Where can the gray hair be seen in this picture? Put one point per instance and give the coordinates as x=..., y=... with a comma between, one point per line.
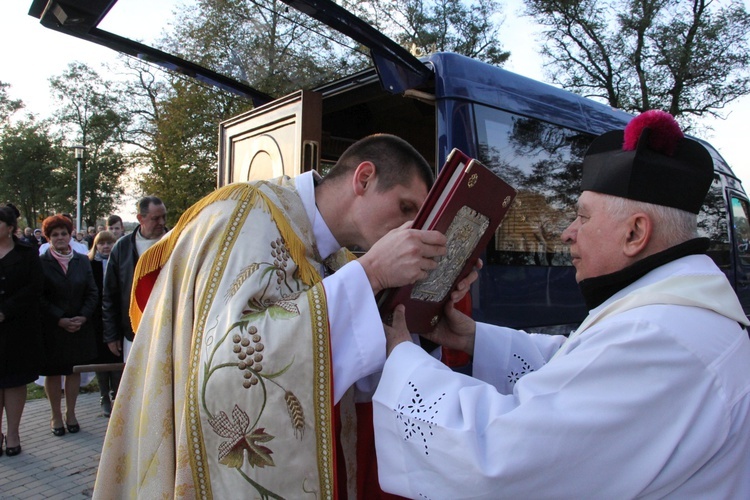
x=672, y=226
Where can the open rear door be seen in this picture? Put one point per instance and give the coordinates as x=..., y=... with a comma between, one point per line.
x=279, y=138
x=397, y=68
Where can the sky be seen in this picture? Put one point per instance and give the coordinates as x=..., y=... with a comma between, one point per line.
x=31, y=54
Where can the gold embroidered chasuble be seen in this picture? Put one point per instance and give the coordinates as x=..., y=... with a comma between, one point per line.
x=227, y=390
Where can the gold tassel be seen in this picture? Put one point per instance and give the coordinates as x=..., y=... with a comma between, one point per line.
x=157, y=256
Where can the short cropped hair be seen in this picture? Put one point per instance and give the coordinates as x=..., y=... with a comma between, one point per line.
x=113, y=219
x=54, y=222
x=396, y=161
x=145, y=202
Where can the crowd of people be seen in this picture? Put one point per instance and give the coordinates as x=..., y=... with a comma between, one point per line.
x=52, y=318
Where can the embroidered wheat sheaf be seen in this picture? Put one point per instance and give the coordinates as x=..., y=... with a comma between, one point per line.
x=295, y=413
x=239, y=280
x=288, y=306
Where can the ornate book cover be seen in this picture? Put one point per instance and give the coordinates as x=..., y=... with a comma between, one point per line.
x=467, y=203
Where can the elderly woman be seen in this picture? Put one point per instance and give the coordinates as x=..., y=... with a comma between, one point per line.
x=20, y=334
x=68, y=304
x=108, y=380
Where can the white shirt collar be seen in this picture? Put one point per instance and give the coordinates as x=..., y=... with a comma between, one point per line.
x=324, y=238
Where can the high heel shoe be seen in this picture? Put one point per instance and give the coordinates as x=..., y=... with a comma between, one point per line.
x=57, y=431
x=73, y=428
x=12, y=451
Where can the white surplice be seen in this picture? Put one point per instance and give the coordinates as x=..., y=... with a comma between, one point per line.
x=648, y=401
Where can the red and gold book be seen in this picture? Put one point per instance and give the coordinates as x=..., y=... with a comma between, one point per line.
x=467, y=203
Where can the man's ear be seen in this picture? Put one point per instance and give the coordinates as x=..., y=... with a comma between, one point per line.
x=640, y=229
x=364, y=176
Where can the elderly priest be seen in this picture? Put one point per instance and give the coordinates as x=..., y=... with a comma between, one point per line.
x=648, y=398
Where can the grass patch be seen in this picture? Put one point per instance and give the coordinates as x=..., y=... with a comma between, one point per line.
x=34, y=391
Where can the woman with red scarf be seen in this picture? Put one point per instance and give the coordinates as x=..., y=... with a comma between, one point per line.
x=68, y=303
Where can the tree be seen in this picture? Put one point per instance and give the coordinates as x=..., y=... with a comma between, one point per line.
x=88, y=116
x=8, y=106
x=173, y=133
x=687, y=58
x=277, y=49
x=28, y=157
x=469, y=28
x=265, y=43
x=184, y=157
x=174, y=120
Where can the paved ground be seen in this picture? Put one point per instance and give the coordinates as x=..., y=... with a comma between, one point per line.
x=52, y=467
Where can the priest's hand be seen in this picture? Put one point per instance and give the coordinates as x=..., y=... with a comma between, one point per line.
x=455, y=331
x=463, y=286
x=402, y=257
x=397, y=332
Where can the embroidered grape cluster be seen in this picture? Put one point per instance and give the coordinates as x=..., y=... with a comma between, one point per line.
x=280, y=254
x=249, y=351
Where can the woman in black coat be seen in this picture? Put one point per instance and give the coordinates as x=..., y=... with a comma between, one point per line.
x=109, y=381
x=20, y=334
x=68, y=305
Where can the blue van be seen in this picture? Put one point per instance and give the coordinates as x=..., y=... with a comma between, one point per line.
x=532, y=134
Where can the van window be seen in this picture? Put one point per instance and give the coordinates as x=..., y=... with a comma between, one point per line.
x=543, y=162
x=741, y=229
x=712, y=224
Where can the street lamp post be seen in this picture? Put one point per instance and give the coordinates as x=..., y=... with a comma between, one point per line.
x=79, y=150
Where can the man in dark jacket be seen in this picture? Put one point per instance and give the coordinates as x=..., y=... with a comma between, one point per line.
x=118, y=281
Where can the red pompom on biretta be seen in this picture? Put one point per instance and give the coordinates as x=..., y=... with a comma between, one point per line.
x=650, y=161
x=665, y=132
